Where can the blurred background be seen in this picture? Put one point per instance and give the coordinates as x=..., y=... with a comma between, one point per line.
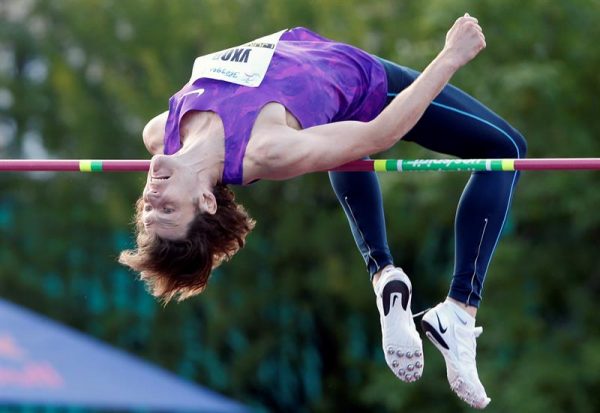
x=290, y=324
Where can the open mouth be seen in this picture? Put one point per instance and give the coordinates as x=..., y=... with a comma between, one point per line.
x=160, y=178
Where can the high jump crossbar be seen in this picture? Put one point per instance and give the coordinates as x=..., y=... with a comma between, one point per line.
x=377, y=165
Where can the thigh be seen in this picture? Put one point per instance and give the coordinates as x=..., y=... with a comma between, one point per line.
x=456, y=123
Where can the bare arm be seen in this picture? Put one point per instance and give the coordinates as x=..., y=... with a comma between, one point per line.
x=291, y=153
x=154, y=133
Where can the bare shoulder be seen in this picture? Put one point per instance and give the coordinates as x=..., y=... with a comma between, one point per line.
x=154, y=133
x=275, y=113
x=199, y=122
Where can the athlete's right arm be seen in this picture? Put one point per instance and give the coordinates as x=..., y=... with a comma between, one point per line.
x=291, y=153
x=154, y=133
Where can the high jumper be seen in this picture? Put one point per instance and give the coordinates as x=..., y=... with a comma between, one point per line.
x=293, y=103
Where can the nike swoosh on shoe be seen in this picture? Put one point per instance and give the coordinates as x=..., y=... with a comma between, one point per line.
x=442, y=329
x=394, y=287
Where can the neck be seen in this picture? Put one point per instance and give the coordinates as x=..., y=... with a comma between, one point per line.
x=203, y=150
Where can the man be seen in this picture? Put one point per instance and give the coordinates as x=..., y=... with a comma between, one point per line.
x=293, y=103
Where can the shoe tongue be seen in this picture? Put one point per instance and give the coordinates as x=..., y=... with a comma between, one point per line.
x=466, y=318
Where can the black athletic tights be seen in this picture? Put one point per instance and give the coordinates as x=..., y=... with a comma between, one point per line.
x=455, y=124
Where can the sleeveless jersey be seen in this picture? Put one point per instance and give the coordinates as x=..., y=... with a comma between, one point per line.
x=317, y=80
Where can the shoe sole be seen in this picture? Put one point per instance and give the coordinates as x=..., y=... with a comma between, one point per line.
x=406, y=362
x=404, y=355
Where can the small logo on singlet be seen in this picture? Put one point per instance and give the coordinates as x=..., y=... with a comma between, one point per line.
x=197, y=92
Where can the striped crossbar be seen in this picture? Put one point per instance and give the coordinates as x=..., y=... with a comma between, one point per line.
x=377, y=165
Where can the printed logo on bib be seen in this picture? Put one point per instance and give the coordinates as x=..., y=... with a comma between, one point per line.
x=243, y=65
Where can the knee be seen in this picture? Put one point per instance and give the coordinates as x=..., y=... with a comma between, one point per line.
x=520, y=143
x=512, y=144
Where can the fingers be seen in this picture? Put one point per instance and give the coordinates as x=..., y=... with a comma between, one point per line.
x=469, y=21
x=467, y=17
x=467, y=35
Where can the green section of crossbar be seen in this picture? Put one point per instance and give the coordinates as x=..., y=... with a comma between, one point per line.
x=388, y=165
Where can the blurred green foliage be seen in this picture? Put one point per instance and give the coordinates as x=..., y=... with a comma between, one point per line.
x=290, y=324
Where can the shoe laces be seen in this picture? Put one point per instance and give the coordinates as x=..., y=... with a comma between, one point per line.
x=420, y=313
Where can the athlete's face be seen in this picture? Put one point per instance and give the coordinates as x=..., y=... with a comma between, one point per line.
x=170, y=198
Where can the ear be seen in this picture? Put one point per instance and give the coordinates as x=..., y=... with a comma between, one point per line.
x=208, y=203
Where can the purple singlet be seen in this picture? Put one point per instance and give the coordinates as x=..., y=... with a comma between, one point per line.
x=319, y=81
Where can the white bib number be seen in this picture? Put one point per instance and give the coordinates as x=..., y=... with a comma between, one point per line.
x=243, y=65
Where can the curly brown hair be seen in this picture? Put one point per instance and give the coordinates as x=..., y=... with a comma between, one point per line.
x=181, y=268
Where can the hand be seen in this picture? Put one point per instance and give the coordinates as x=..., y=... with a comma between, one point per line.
x=464, y=40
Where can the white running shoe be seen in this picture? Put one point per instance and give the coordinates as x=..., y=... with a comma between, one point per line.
x=452, y=330
x=402, y=345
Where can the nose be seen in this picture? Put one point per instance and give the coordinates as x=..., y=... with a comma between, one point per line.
x=151, y=196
